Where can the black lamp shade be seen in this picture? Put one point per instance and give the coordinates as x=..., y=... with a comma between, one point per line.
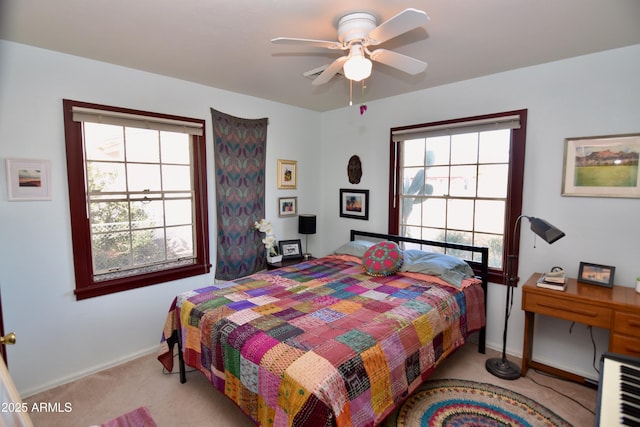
x=307, y=224
x=545, y=230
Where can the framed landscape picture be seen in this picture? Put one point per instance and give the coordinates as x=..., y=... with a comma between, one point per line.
x=28, y=179
x=354, y=204
x=602, y=166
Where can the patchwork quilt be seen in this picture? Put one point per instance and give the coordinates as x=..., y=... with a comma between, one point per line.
x=321, y=342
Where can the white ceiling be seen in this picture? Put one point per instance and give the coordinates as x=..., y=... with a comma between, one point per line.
x=226, y=43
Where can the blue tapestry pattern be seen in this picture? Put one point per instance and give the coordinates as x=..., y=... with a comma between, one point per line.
x=239, y=150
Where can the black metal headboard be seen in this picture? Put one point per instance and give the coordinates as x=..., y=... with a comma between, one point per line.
x=480, y=268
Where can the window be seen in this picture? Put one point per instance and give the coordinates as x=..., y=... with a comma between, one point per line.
x=460, y=181
x=138, y=197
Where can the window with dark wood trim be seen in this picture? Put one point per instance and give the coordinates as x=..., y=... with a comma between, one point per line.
x=137, y=195
x=472, y=166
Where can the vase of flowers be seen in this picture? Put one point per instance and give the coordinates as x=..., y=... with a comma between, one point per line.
x=269, y=241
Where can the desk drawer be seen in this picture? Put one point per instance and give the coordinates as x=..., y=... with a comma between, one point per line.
x=569, y=310
x=625, y=345
x=627, y=323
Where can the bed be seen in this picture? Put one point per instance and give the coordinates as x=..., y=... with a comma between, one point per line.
x=340, y=340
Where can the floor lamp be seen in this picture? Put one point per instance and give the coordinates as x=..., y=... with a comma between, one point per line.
x=500, y=366
x=306, y=226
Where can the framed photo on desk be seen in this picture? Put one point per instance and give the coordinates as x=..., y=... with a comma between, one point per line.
x=596, y=274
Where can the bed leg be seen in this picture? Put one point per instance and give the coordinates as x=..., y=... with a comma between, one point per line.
x=175, y=339
x=482, y=339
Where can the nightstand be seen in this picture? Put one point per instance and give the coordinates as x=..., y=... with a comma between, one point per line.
x=616, y=309
x=286, y=263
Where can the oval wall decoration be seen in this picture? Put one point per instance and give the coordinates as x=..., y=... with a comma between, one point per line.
x=354, y=169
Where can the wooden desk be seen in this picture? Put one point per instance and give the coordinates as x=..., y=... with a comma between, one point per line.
x=616, y=309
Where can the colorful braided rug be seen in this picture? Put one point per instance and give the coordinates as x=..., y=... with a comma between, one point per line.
x=448, y=403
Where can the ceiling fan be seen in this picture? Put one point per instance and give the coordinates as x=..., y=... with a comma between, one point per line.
x=357, y=31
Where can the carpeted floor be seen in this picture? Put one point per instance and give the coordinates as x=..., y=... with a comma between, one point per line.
x=141, y=382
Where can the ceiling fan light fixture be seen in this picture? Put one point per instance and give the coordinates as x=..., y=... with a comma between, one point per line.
x=357, y=67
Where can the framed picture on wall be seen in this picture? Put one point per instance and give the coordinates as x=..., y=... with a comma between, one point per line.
x=28, y=179
x=602, y=166
x=287, y=206
x=287, y=174
x=354, y=204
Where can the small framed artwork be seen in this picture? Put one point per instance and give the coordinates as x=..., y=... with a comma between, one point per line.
x=354, y=204
x=28, y=179
x=287, y=206
x=596, y=274
x=287, y=174
x=290, y=249
x=602, y=166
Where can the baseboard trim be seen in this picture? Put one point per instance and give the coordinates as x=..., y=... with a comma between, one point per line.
x=95, y=369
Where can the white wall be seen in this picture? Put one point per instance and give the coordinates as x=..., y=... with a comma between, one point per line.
x=60, y=338
x=592, y=95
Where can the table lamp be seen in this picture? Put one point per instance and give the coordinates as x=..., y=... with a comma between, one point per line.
x=306, y=226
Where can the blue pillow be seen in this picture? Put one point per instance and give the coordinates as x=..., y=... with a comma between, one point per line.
x=356, y=248
x=449, y=268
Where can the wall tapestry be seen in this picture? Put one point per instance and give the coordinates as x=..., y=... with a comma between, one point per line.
x=239, y=151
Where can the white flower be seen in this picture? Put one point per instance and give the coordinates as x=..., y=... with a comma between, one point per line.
x=270, y=242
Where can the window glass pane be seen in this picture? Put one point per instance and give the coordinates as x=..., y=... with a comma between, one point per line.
x=455, y=236
x=178, y=212
x=460, y=214
x=175, y=148
x=109, y=217
x=433, y=234
x=141, y=177
x=111, y=251
x=438, y=147
x=495, y=243
x=176, y=178
x=179, y=242
x=490, y=216
x=492, y=180
x=142, y=145
x=410, y=231
x=411, y=210
x=463, y=181
x=464, y=148
x=494, y=146
x=147, y=214
x=148, y=246
x=103, y=142
x=413, y=153
x=434, y=213
x=438, y=180
x=106, y=177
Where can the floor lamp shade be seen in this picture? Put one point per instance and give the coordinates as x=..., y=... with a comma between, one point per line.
x=545, y=230
x=306, y=225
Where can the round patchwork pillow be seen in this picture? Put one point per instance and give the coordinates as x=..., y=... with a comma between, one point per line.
x=382, y=259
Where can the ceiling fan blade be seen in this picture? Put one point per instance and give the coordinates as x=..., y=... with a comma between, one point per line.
x=308, y=42
x=397, y=60
x=403, y=22
x=330, y=71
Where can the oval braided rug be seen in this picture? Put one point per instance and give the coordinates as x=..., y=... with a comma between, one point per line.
x=448, y=403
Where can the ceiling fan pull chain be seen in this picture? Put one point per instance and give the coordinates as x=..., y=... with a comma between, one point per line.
x=350, y=93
